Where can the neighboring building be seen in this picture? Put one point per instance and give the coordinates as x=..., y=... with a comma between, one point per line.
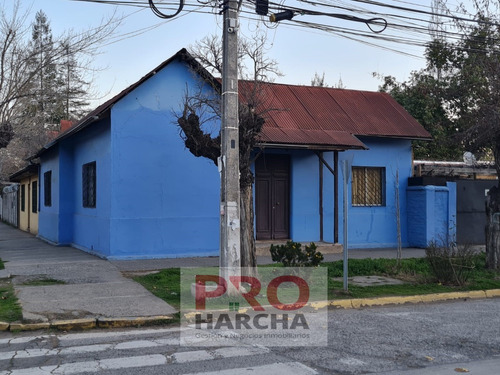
x=28, y=205
x=121, y=184
x=473, y=180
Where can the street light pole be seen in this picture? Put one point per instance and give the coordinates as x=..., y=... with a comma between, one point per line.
x=230, y=254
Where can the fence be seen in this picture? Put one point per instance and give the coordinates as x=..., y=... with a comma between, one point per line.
x=8, y=204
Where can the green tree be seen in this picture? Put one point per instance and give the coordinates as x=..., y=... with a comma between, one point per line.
x=44, y=101
x=471, y=75
x=457, y=97
x=423, y=96
x=73, y=88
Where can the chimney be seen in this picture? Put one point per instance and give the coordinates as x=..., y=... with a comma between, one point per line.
x=65, y=125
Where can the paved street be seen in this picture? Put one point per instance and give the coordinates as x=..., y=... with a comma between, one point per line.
x=417, y=339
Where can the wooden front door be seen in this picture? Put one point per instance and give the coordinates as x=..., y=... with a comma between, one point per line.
x=272, y=197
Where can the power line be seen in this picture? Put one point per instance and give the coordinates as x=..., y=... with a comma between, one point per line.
x=405, y=26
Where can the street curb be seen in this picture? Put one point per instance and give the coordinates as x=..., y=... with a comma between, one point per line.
x=74, y=324
x=83, y=324
x=28, y=326
x=357, y=303
x=133, y=322
x=354, y=303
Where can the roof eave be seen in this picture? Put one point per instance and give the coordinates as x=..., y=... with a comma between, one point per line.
x=407, y=137
x=82, y=125
x=104, y=109
x=29, y=170
x=315, y=147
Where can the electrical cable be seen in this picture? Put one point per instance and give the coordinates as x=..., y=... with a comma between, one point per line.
x=408, y=30
x=159, y=14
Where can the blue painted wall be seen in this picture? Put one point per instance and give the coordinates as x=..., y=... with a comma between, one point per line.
x=369, y=227
x=90, y=226
x=304, y=196
x=154, y=198
x=165, y=201
x=432, y=214
x=48, y=219
x=375, y=227
x=66, y=221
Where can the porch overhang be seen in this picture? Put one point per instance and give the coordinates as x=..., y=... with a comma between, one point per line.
x=309, y=139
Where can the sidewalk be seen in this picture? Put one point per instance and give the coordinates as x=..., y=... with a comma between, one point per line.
x=94, y=288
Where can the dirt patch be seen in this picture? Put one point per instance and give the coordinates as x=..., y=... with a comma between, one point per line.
x=132, y=274
x=37, y=280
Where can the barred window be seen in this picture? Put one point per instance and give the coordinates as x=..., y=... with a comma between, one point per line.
x=47, y=188
x=23, y=197
x=34, y=197
x=89, y=185
x=368, y=186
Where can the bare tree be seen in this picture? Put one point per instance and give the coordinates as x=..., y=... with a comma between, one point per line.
x=20, y=65
x=256, y=69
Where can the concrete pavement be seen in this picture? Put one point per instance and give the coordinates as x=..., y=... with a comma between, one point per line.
x=90, y=287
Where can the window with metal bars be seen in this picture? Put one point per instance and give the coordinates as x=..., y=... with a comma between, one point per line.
x=89, y=185
x=368, y=186
x=47, y=188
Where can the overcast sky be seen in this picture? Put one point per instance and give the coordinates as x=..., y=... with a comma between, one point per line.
x=300, y=51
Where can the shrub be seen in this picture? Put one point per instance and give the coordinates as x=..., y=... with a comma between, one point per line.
x=452, y=264
x=291, y=254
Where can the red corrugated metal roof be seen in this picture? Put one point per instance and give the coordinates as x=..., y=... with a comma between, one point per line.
x=298, y=115
x=305, y=115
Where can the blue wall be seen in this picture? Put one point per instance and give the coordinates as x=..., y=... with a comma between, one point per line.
x=375, y=227
x=432, y=214
x=154, y=198
x=48, y=219
x=369, y=227
x=66, y=221
x=165, y=201
x=304, y=196
x=90, y=226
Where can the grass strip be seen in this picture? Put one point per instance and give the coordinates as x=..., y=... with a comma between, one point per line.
x=164, y=284
x=10, y=310
x=415, y=272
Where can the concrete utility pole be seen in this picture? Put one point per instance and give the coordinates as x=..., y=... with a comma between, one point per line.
x=229, y=163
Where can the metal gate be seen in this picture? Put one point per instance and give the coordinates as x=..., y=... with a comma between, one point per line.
x=9, y=203
x=471, y=210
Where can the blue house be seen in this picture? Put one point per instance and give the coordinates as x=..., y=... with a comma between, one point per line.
x=121, y=184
